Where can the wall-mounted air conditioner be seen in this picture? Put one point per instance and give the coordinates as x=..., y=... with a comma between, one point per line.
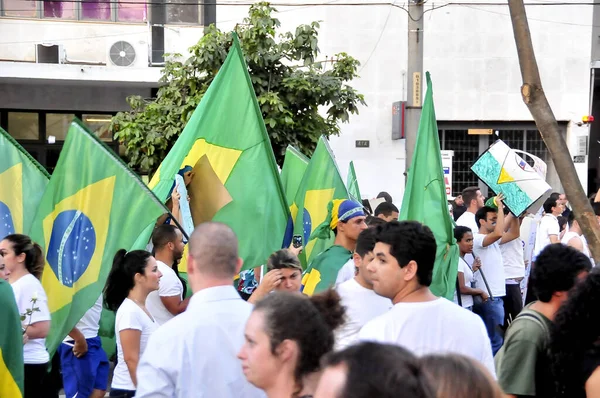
x=122, y=54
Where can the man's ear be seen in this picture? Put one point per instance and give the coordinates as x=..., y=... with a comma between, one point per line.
x=239, y=265
x=357, y=259
x=410, y=270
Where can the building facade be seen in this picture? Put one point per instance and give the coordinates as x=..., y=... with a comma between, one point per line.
x=106, y=50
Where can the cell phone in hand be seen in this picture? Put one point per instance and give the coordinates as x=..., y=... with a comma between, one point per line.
x=297, y=241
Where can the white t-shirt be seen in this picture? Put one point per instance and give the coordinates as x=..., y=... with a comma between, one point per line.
x=492, y=266
x=570, y=235
x=347, y=272
x=130, y=316
x=26, y=288
x=548, y=226
x=168, y=286
x=90, y=322
x=466, y=299
x=432, y=327
x=467, y=219
x=512, y=257
x=362, y=305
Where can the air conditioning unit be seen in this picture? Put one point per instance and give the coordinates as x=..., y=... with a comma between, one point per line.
x=49, y=53
x=126, y=54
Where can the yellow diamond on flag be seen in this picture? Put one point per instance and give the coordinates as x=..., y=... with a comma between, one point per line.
x=75, y=234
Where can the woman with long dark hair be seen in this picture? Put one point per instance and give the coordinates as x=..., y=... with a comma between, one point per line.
x=24, y=262
x=575, y=341
x=287, y=334
x=133, y=276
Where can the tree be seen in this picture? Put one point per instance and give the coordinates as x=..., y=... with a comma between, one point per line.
x=535, y=99
x=290, y=84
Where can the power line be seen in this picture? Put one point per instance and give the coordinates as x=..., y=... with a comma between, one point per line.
x=378, y=40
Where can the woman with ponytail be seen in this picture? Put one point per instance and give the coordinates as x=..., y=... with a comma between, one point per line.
x=133, y=276
x=24, y=264
x=286, y=336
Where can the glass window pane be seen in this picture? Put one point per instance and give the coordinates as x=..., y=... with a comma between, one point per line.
x=24, y=125
x=57, y=125
x=52, y=156
x=134, y=12
x=95, y=9
x=99, y=125
x=59, y=9
x=20, y=8
x=182, y=13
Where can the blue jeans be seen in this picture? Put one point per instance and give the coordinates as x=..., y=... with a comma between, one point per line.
x=492, y=314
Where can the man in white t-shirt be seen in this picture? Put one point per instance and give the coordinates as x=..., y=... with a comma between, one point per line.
x=548, y=231
x=83, y=361
x=490, y=277
x=361, y=302
x=419, y=321
x=167, y=301
x=473, y=200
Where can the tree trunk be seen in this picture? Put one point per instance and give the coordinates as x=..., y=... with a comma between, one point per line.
x=535, y=99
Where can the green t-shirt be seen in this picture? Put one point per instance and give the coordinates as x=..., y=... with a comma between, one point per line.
x=521, y=364
x=322, y=272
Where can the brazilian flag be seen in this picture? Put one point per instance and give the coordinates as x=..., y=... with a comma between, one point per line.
x=22, y=183
x=321, y=183
x=294, y=166
x=234, y=175
x=93, y=206
x=11, y=345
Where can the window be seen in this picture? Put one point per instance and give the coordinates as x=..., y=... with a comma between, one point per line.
x=20, y=8
x=99, y=125
x=57, y=125
x=24, y=125
x=131, y=10
x=59, y=9
x=96, y=10
x=181, y=11
x=90, y=10
x=466, y=151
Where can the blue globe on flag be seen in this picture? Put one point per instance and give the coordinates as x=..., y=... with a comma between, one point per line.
x=7, y=226
x=307, y=222
x=71, y=247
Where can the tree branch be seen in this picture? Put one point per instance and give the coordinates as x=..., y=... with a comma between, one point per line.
x=535, y=99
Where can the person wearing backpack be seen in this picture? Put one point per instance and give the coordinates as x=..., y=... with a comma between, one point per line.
x=522, y=364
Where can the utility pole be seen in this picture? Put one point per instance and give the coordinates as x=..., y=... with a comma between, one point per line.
x=414, y=76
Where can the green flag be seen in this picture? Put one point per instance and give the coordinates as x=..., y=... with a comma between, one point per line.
x=425, y=199
x=352, y=184
x=93, y=206
x=294, y=166
x=11, y=345
x=22, y=183
x=235, y=177
x=321, y=183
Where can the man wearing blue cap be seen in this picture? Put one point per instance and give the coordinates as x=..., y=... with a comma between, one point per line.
x=346, y=219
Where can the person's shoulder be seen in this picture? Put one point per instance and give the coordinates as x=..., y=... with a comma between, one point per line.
x=528, y=325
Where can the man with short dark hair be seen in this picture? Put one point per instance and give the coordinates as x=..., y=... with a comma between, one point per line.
x=548, y=231
x=486, y=246
x=194, y=354
x=522, y=364
x=167, y=302
x=387, y=211
x=473, y=200
x=361, y=302
x=401, y=271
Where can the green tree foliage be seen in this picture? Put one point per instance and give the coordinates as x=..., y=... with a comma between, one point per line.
x=290, y=84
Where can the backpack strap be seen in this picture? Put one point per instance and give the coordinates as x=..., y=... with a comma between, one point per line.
x=536, y=319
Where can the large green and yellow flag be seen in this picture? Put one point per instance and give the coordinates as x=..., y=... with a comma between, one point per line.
x=352, y=184
x=235, y=178
x=11, y=345
x=93, y=206
x=294, y=166
x=22, y=184
x=321, y=183
x=425, y=199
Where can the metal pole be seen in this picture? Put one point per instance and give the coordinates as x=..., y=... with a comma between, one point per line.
x=414, y=76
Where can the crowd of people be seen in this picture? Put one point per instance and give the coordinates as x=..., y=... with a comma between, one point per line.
x=360, y=322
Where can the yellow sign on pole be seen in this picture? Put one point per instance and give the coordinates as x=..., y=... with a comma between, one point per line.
x=416, y=89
